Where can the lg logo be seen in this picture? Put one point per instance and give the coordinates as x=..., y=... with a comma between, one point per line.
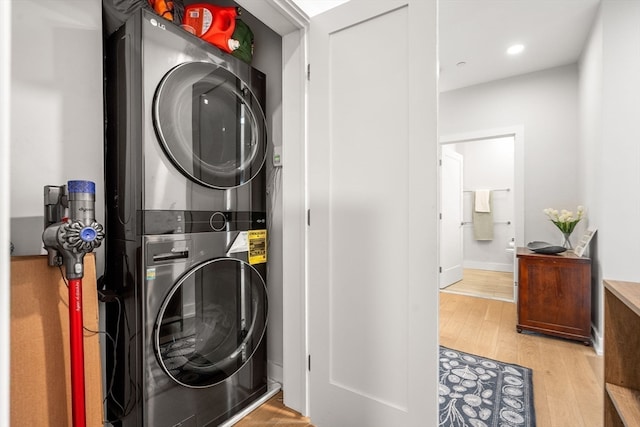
x=157, y=24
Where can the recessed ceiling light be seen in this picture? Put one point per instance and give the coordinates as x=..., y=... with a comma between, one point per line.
x=461, y=64
x=515, y=49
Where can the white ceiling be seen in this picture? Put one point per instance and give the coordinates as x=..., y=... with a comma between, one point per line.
x=314, y=7
x=478, y=32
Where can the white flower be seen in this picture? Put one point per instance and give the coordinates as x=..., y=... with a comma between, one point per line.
x=565, y=220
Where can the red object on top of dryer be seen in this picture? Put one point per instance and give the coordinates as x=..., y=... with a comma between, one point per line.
x=214, y=24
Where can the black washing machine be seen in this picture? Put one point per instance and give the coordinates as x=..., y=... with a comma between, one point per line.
x=185, y=273
x=186, y=128
x=204, y=349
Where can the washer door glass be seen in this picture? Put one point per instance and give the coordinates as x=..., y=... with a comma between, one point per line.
x=210, y=124
x=211, y=322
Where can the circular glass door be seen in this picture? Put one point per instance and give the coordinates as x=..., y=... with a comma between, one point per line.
x=210, y=124
x=211, y=322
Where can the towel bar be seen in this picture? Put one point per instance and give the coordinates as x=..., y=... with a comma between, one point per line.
x=499, y=189
x=495, y=222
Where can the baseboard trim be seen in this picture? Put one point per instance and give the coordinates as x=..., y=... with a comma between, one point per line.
x=491, y=266
x=598, y=344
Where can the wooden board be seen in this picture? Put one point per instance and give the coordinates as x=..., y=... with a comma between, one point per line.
x=40, y=378
x=621, y=343
x=626, y=402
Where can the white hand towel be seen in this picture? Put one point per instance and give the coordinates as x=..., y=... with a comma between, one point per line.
x=483, y=201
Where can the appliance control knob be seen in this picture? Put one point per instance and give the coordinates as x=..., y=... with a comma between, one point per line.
x=218, y=221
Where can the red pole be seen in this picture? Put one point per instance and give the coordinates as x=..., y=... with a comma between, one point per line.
x=77, y=353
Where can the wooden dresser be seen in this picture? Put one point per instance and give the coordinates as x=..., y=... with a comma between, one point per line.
x=621, y=349
x=554, y=294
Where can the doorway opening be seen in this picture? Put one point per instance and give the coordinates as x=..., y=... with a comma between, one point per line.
x=477, y=250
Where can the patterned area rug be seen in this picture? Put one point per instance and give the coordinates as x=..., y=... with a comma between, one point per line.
x=478, y=392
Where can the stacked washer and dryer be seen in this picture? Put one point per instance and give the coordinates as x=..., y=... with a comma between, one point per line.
x=185, y=275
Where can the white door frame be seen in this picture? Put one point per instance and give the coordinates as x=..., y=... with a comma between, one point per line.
x=517, y=132
x=5, y=191
x=452, y=275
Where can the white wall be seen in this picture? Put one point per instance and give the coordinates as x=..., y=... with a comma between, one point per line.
x=545, y=104
x=57, y=120
x=620, y=164
x=489, y=164
x=610, y=165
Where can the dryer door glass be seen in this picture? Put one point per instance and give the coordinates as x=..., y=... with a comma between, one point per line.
x=210, y=124
x=211, y=322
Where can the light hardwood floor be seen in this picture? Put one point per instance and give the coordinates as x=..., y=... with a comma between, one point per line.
x=484, y=284
x=567, y=375
x=273, y=413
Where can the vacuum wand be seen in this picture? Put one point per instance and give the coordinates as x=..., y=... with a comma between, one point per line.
x=67, y=239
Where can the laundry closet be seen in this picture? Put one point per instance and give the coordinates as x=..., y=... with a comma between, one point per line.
x=68, y=89
x=187, y=179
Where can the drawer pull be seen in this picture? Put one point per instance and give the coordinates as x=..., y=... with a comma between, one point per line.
x=171, y=255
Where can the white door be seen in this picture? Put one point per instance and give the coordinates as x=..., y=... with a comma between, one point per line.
x=372, y=294
x=451, y=243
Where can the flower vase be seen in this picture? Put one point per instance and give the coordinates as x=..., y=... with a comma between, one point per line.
x=567, y=243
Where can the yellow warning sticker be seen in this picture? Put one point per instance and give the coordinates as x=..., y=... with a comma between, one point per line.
x=257, y=246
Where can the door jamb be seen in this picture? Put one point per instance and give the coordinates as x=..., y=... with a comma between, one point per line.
x=517, y=132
